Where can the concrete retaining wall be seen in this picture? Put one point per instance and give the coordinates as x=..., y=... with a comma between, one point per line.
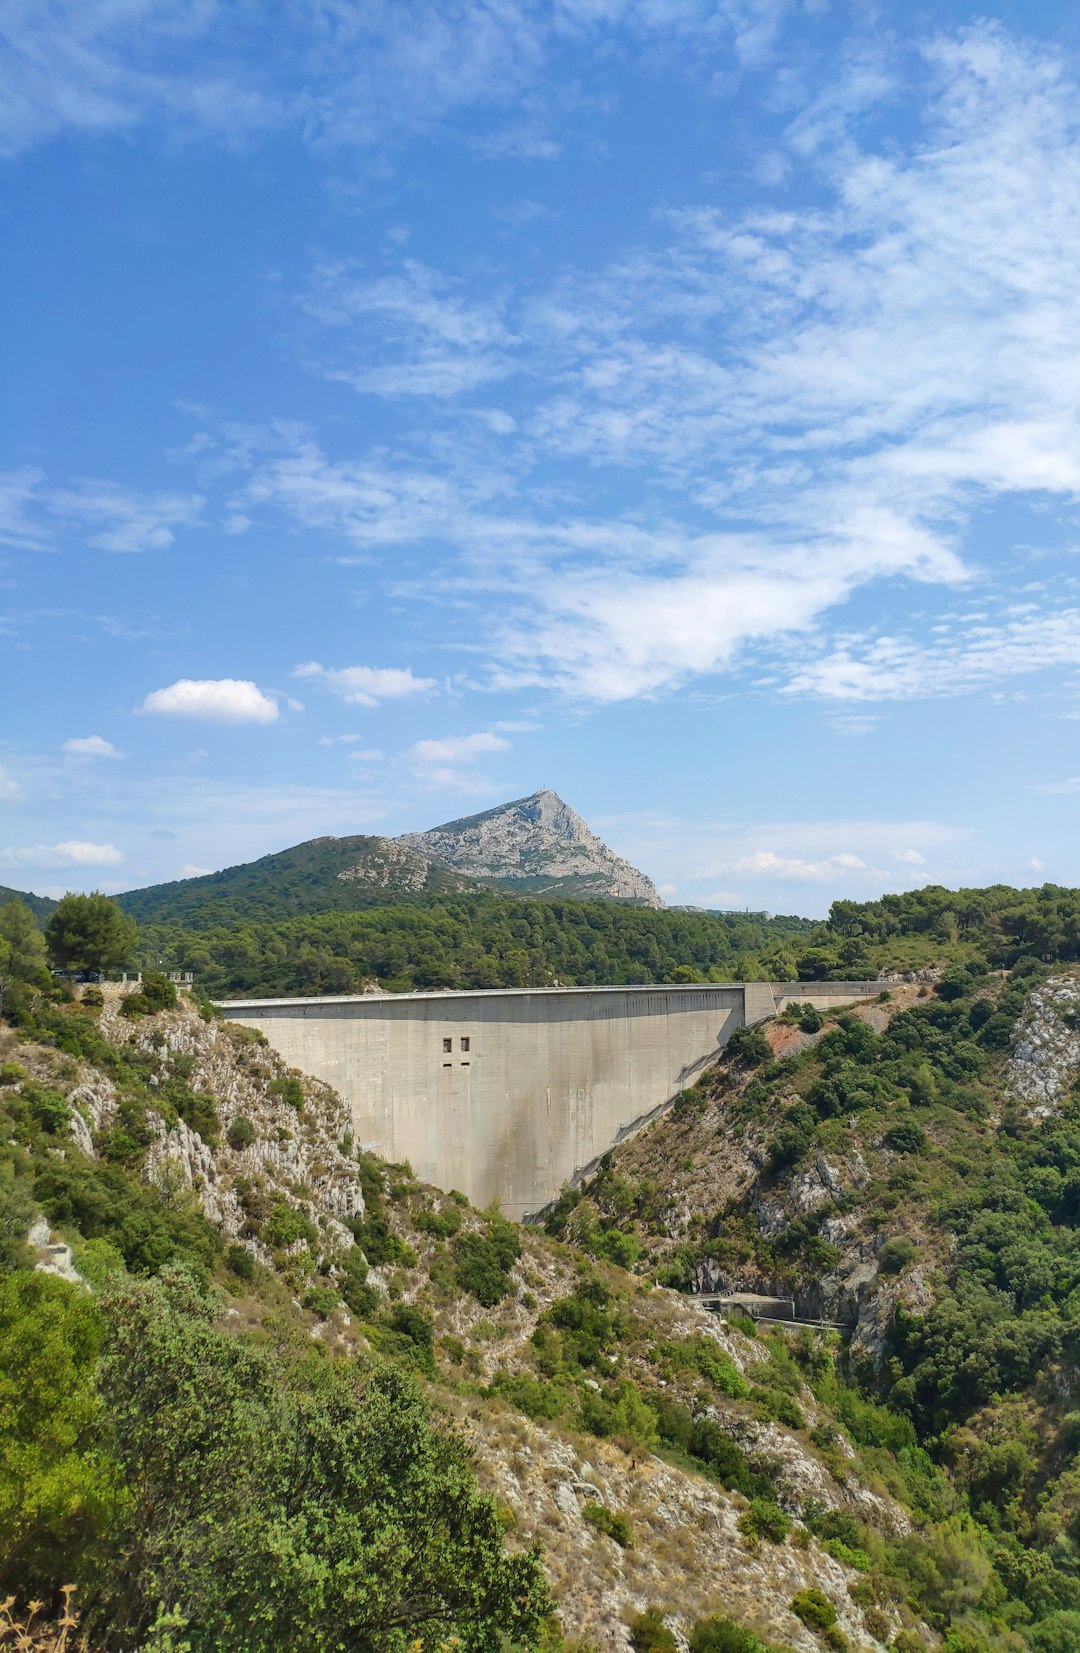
x=511, y=1093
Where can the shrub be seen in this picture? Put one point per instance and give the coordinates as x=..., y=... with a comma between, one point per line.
x=749, y=1047
x=158, y=990
x=239, y=1261
x=48, y=1109
x=321, y=1300
x=283, y=1475
x=906, y=1137
x=241, y=1133
x=895, y=1255
x=289, y=1089
x=765, y=1519
x=286, y=1225
x=814, y=1608
x=484, y=1261
x=136, y=1004
x=721, y=1635
x=612, y=1522
x=650, y=1634
x=92, y=998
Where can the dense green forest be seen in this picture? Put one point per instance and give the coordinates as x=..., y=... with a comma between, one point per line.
x=474, y=941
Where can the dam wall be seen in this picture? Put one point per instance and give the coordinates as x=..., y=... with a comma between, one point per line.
x=511, y=1093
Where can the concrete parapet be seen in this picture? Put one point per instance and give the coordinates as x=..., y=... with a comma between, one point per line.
x=509, y=1094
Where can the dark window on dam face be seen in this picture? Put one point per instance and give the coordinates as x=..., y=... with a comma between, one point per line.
x=448, y=1044
x=465, y=1045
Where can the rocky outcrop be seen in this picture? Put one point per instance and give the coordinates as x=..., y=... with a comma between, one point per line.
x=1045, y=1053
x=537, y=845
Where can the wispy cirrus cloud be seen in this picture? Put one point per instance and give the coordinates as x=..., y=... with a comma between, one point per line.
x=366, y=685
x=37, y=513
x=963, y=654
x=807, y=400
x=339, y=76
x=412, y=333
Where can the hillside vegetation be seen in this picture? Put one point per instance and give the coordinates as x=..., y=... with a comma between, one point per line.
x=494, y=941
x=469, y=941
x=307, y=1401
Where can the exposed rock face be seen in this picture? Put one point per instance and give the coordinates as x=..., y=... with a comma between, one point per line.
x=1045, y=1054
x=536, y=844
x=390, y=863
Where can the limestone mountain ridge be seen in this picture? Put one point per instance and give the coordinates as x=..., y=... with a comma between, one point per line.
x=536, y=845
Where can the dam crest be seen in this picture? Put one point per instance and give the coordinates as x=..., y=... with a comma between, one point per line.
x=510, y=1093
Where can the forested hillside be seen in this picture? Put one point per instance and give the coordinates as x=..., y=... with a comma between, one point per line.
x=262, y=1392
x=912, y=1169
x=320, y=876
x=476, y=941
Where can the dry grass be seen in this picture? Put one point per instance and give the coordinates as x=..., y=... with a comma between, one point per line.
x=29, y=1632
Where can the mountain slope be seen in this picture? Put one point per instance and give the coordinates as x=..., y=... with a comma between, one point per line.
x=322, y=875
x=537, y=845
x=909, y=1168
x=575, y=1383
x=40, y=905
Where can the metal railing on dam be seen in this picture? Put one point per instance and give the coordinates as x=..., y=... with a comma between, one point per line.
x=510, y=1093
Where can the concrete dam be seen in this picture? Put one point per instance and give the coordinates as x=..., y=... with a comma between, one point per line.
x=510, y=1093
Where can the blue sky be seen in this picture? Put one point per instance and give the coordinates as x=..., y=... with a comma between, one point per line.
x=671, y=402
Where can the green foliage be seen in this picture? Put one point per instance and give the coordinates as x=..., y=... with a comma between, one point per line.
x=649, y=1632
x=814, y=1608
x=611, y=1522
x=59, y=1492
x=90, y=932
x=765, y=1519
x=484, y=1261
x=749, y=1047
x=407, y=1332
x=271, y=944
x=239, y=1261
x=308, y=1504
x=287, y=1226
x=241, y=1133
x=289, y=1089
x=22, y=950
x=721, y=1635
x=895, y=1255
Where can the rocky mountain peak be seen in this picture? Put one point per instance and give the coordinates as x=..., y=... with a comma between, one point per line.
x=538, y=845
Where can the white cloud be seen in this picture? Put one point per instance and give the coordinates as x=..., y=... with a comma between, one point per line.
x=212, y=700
x=969, y=653
x=1067, y=788
x=191, y=871
x=91, y=746
x=75, y=852
x=9, y=786
x=35, y=512
x=457, y=748
x=367, y=685
x=116, y=518
x=410, y=334
x=864, y=856
x=366, y=754
x=451, y=762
